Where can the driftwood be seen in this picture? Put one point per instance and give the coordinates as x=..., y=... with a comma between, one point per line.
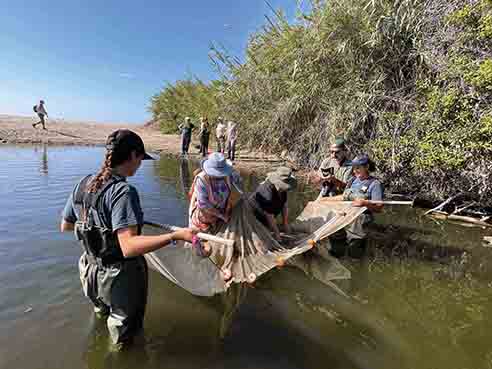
x=463, y=212
x=459, y=218
x=443, y=204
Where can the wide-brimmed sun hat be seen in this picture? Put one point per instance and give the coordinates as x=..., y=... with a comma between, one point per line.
x=216, y=165
x=282, y=179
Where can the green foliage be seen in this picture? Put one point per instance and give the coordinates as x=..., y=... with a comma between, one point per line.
x=485, y=27
x=408, y=81
x=190, y=97
x=482, y=77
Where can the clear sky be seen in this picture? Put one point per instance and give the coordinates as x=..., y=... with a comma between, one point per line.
x=102, y=60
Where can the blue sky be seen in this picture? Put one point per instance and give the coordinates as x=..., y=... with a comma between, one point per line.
x=103, y=60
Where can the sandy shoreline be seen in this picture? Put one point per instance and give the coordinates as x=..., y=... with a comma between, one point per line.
x=19, y=130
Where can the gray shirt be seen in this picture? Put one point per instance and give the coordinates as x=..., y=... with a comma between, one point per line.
x=120, y=203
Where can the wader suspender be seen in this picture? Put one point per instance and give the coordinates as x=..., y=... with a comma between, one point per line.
x=91, y=200
x=101, y=246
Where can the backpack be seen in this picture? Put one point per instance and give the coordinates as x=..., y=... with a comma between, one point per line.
x=35, y=108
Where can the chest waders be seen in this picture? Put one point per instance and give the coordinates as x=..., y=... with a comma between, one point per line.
x=116, y=286
x=356, y=233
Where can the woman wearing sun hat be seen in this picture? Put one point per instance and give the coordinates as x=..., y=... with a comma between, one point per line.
x=270, y=199
x=210, y=202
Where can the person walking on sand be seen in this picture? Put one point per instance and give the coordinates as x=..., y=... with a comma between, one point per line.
x=220, y=134
x=41, y=111
x=105, y=212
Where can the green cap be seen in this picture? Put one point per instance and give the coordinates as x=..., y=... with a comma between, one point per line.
x=339, y=141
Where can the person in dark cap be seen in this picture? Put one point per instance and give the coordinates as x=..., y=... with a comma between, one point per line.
x=104, y=211
x=270, y=199
x=361, y=189
x=335, y=171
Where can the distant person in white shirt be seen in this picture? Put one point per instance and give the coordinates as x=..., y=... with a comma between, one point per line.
x=231, y=140
x=41, y=111
x=220, y=133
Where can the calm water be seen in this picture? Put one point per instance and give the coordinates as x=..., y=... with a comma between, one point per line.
x=415, y=301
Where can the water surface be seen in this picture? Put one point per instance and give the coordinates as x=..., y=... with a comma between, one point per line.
x=415, y=301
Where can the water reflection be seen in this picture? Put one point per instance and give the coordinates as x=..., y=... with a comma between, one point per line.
x=43, y=168
x=184, y=175
x=44, y=161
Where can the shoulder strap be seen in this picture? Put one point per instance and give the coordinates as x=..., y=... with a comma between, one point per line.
x=79, y=195
x=82, y=197
x=96, y=196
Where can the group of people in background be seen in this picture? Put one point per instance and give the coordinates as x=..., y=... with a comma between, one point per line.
x=225, y=135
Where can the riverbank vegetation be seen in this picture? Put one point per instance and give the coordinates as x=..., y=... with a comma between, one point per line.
x=408, y=81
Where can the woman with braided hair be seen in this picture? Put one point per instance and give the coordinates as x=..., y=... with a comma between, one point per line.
x=104, y=210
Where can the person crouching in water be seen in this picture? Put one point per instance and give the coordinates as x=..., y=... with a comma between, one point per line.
x=361, y=189
x=104, y=210
x=210, y=200
x=335, y=171
x=270, y=199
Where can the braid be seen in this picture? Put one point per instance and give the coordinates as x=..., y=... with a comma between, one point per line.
x=103, y=175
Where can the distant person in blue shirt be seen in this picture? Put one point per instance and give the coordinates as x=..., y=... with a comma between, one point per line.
x=362, y=189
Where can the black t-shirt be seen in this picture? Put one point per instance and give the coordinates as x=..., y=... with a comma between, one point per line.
x=267, y=199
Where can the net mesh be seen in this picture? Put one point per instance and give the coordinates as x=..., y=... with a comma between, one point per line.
x=256, y=251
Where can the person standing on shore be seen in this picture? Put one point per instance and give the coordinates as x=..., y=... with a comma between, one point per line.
x=104, y=210
x=41, y=111
x=204, y=136
x=186, y=128
x=231, y=140
x=220, y=133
